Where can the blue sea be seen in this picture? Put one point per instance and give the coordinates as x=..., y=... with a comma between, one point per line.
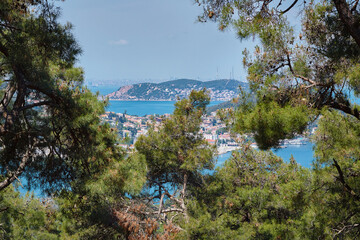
x=142, y=108
x=303, y=154
x=138, y=108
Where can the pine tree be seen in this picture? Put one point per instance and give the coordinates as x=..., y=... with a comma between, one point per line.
x=177, y=156
x=50, y=132
x=300, y=75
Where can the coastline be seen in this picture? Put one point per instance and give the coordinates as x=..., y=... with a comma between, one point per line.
x=142, y=100
x=225, y=149
x=161, y=100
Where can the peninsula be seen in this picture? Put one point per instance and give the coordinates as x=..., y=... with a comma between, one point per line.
x=220, y=90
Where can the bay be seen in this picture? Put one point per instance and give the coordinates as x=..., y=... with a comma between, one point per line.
x=303, y=154
x=138, y=108
x=103, y=89
x=142, y=108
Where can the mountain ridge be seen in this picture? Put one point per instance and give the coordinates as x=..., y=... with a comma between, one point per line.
x=220, y=90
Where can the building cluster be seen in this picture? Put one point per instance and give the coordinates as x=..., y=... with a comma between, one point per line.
x=214, y=131
x=131, y=127
x=215, y=95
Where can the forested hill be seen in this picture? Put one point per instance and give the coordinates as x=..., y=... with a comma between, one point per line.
x=220, y=90
x=223, y=105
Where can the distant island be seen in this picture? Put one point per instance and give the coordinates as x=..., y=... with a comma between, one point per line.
x=220, y=90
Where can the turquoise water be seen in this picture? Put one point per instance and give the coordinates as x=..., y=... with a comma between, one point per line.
x=303, y=154
x=141, y=108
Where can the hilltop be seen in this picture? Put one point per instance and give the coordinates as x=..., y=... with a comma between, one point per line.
x=220, y=90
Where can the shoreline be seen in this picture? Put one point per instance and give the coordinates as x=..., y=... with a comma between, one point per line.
x=160, y=100
x=225, y=149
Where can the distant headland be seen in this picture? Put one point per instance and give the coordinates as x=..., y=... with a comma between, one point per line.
x=220, y=90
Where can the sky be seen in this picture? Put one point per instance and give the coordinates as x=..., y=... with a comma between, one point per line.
x=151, y=41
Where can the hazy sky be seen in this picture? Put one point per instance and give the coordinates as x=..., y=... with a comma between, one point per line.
x=151, y=40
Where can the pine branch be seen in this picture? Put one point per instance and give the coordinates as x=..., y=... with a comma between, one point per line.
x=14, y=175
x=341, y=178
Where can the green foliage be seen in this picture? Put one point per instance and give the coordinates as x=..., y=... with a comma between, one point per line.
x=255, y=195
x=177, y=155
x=50, y=132
x=177, y=147
x=337, y=137
x=270, y=122
x=127, y=176
x=337, y=168
x=311, y=69
x=51, y=135
x=26, y=217
x=88, y=210
x=297, y=75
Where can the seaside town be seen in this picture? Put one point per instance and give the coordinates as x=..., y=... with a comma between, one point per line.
x=219, y=90
x=214, y=131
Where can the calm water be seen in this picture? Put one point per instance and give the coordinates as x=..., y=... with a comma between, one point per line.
x=141, y=108
x=303, y=154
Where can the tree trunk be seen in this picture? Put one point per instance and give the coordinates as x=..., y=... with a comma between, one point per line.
x=349, y=20
x=13, y=176
x=183, y=193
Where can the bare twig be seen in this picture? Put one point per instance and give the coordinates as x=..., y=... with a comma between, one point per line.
x=355, y=5
x=289, y=8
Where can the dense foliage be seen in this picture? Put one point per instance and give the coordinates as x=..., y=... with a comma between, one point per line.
x=50, y=131
x=51, y=136
x=300, y=74
x=176, y=157
x=254, y=195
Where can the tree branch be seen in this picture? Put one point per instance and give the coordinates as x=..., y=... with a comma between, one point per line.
x=4, y=209
x=172, y=210
x=348, y=19
x=312, y=82
x=183, y=206
x=345, y=228
x=291, y=6
x=355, y=5
x=161, y=203
x=342, y=180
x=344, y=108
x=172, y=197
x=9, y=93
x=13, y=176
x=29, y=106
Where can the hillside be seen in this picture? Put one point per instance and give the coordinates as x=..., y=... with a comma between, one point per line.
x=220, y=90
x=223, y=105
